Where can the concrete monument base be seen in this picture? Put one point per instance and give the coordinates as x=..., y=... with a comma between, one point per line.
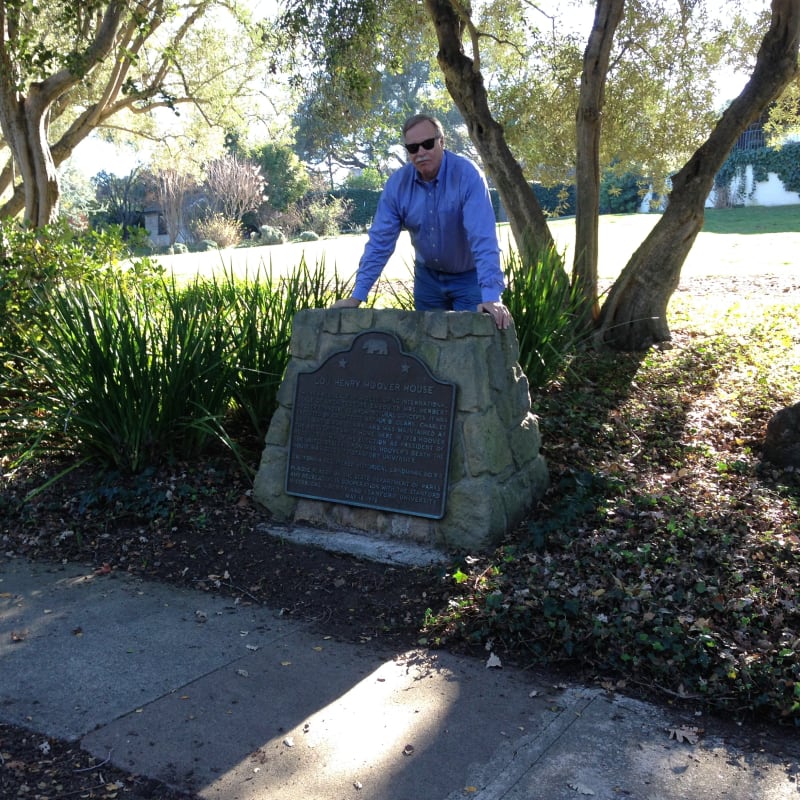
x=496, y=472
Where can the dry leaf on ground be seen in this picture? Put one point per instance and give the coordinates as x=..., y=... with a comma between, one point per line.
x=684, y=733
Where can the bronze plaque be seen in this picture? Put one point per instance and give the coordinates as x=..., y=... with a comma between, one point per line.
x=372, y=427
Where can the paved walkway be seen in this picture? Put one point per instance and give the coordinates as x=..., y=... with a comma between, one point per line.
x=235, y=702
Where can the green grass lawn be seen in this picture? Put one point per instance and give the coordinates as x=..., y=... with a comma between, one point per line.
x=753, y=221
x=730, y=243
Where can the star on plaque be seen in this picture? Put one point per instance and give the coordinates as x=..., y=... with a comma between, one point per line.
x=342, y=362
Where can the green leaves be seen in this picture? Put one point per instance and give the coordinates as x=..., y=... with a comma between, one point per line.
x=459, y=576
x=645, y=558
x=546, y=313
x=133, y=372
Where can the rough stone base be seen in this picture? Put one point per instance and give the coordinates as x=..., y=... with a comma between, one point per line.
x=496, y=470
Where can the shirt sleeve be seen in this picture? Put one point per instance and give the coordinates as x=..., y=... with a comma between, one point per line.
x=382, y=240
x=481, y=230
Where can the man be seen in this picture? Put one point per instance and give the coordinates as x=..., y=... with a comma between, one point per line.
x=442, y=200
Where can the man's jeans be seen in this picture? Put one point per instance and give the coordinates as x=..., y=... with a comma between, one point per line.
x=446, y=291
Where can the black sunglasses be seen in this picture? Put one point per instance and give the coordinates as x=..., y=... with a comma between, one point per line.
x=427, y=145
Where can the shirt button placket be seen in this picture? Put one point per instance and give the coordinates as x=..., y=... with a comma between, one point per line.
x=433, y=239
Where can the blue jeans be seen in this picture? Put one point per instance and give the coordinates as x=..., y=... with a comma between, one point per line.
x=446, y=291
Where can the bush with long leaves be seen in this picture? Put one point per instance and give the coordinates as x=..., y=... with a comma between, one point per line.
x=133, y=376
x=134, y=373
x=546, y=310
x=260, y=309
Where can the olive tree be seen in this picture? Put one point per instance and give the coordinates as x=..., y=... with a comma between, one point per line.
x=638, y=91
x=68, y=69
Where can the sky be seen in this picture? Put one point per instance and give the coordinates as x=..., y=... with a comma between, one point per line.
x=93, y=155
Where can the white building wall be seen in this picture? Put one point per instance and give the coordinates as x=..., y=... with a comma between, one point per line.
x=765, y=193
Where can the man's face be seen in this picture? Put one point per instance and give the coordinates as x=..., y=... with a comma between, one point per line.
x=427, y=162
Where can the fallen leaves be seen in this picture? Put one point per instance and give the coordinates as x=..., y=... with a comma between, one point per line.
x=664, y=552
x=685, y=733
x=48, y=768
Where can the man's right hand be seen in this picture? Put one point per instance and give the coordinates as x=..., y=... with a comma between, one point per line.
x=347, y=302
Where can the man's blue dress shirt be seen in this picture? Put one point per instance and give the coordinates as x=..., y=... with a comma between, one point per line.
x=450, y=220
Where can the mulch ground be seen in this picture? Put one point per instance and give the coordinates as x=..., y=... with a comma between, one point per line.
x=195, y=526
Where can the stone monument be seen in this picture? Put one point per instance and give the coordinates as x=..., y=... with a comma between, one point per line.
x=372, y=445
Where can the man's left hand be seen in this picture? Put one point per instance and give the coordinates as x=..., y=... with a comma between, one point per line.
x=498, y=312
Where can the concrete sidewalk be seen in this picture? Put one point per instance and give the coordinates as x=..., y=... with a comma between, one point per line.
x=234, y=702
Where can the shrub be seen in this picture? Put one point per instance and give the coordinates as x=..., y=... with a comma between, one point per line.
x=133, y=376
x=326, y=215
x=221, y=230
x=290, y=220
x=134, y=371
x=32, y=262
x=271, y=235
x=546, y=311
x=260, y=311
x=620, y=193
x=362, y=204
x=307, y=236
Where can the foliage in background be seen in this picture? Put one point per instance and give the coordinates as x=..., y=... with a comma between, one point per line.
x=223, y=231
x=324, y=213
x=556, y=201
x=120, y=200
x=286, y=178
x=620, y=193
x=368, y=178
x=269, y=235
x=361, y=204
x=233, y=186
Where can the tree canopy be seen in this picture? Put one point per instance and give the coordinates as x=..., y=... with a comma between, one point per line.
x=68, y=69
x=538, y=100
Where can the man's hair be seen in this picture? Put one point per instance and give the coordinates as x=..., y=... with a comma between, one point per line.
x=417, y=118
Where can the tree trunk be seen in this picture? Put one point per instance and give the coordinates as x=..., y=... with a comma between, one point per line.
x=587, y=172
x=465, y=85
x=23, y=120
x=634, y=315
x=41, y=204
